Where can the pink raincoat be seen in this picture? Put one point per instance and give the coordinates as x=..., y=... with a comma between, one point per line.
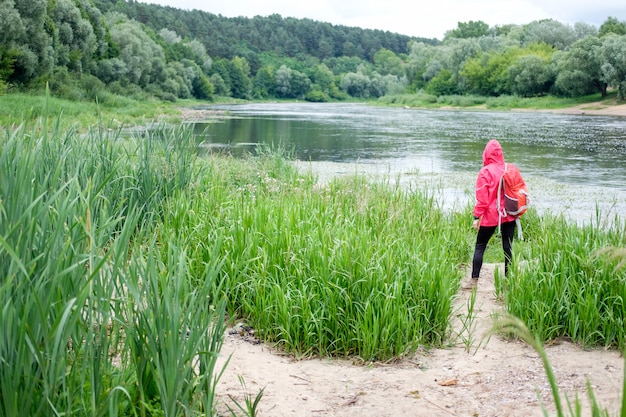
x=487, y=186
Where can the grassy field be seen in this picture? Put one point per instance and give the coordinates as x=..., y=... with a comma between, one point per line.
x=124, y=259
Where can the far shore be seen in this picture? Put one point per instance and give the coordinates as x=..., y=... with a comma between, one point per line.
x=190, y=114
x=591, y=109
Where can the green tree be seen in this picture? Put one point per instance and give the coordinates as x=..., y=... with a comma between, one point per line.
x=583, y=30
x=291, y=83
x=200, y=55
x=356, y=84
x=343, y=64
x=170, y=36
x=487, y=74
x=549, y=31
x=283, y=81
x=442, y=84
x=300, y=84
x=141, y=60
x=263, y=85
x=239, y=72
x=477, y=73
x=221, y=89
x=11, y=31
x=613, y=55
x=30, y=43
x=75, y=42
x=579, y=69
x=466, y=30
x=220, y=77
x=612, y=25
x=420, y=56
x=386, y=62
x=530, y=75
x=323, y=78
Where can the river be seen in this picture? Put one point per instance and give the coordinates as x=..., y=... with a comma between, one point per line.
x=573, y=164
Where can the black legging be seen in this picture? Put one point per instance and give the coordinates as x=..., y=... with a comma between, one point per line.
x=482, y=239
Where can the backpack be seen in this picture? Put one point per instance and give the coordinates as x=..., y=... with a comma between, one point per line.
x=516, y=197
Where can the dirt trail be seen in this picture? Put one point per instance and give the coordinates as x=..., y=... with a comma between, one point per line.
x=498, y=378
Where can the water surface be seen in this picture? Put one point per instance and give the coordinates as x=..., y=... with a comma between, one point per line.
x=571, y=162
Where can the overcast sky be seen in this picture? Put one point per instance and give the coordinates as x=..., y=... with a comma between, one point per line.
x=422, y=19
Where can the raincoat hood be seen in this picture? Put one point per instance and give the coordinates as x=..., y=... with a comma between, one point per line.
x=493, y=153
x=487, y=185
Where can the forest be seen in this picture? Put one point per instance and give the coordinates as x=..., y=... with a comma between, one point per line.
x=99, y=49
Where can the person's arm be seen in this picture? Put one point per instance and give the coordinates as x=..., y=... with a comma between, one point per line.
x=482, y=196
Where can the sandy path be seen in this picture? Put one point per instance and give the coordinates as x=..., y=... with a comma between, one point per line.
x=499, y=378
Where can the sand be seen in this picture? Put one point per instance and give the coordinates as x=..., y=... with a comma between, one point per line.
x=494, y=377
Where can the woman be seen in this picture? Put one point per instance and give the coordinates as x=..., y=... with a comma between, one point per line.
x=486, y=216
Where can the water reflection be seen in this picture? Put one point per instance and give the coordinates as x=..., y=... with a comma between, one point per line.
x=553, y=150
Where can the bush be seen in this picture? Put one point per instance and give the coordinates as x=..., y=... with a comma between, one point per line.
x=127, y=90
x=93, y=88
x=202, y=88
x=317, y=96
x=64, y=85
x=462, y=101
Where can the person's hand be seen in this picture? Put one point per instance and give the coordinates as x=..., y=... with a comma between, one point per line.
x=476, y=224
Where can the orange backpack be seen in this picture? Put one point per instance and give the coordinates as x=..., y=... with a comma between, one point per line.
x=516, y=197
x=513, y=187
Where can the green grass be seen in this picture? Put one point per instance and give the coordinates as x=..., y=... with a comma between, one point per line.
x=121, y=257
x=423, y=100
x=92, y=310
x=568, y=290
x=332, y=270
x=114, y=112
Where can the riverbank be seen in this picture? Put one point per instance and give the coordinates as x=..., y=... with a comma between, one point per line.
x=612, y=107
x=600, y=108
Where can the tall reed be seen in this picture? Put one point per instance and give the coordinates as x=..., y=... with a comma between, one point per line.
x=78, y=230
x=566, y=290
x=351, y=268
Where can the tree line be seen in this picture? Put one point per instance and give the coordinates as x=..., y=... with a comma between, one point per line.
x=87, y=49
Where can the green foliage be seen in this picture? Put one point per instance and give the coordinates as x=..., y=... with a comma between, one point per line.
x=263, y=85
x=549, y=32
x=356, y=84
x=568, y=291
x=169, y=54
x=613, y=57
x=317, y=96
x=580, y=70
x=75, y=43
x=95, y=319
x=461, y=101
x=442, y=84
x=8, y=57
x=471, y=29
x=531, y=75
x=387, y=62
x=419, y=99
x=486, y=74
x=612, y=25
x=331, y=270
x=202, y=88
